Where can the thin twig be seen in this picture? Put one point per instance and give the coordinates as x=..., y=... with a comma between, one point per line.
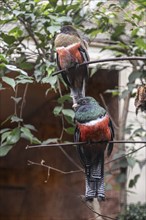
x=23, y=100
x=103, y=60
x=119, y=158
x=52, y=168
x=83, y=143
x=70, y=158
x=15, y=106
x=101, y=96
x=125, y=155
x=100, y=215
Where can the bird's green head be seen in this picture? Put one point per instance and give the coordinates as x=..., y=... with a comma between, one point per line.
x=88, y=109
x=69, y=29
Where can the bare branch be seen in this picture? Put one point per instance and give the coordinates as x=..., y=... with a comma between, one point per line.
x=101, y=96
x=103, y=60
x=70, y=158
x=82, y=143
x=52, y=168
x=23, y=100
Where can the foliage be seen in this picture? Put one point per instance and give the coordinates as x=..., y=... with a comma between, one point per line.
x=134, y=211
x=28, y=29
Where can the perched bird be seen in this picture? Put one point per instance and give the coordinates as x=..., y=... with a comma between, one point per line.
x=71, y=51
x=140, y=100
x=92, y=125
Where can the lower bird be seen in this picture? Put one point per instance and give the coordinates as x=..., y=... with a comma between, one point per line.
x=93, y=124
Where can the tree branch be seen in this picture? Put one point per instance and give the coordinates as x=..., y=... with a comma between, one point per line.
x=103, y=60
x=52, y=168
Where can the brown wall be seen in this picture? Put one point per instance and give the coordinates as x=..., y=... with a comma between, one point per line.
x=24, y=194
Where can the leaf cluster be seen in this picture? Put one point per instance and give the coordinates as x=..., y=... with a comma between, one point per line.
x=134, y=211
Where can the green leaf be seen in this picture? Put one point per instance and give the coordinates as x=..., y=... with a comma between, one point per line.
x=4, y=135
x=5, y=149
x=131, y=161
x=23, y=79
x=26, y=66
x=53, y=29
x=26, y=134
x=53, y=2
x=30, y=127
x=133, y=181
x=16, y=32
x=140, y=42
x=68, y=112
x=70, y=130
x=4, y=130
x=15, y=69
x=8, y=39
x=115, y=92
x=35, y=140
x=134, y=75
x=61, y=19
x=51, y=80
x=124, y=3
x=15, y=118
x=64, y=98
x=9, y=81
x=14, y=136
x=3, y=58
x=118, y=31
x=131, y=86
x=50, y=140
x=57, y=110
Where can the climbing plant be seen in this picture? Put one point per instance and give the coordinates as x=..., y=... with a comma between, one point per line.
x=28, y=29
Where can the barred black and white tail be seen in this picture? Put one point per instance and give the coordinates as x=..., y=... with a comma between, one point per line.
x=94, y=181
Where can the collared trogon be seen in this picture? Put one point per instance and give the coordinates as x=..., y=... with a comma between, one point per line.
x=71, y=51
x=93, y=124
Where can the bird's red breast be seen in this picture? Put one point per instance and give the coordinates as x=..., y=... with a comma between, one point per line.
x=74, y=51
x=69, y=55
x=96, y=130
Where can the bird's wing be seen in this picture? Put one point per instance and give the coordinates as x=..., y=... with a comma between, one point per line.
x=80, y=148
x=110, y=146
x=57, y=60
x=84, y=53
x=77, y=139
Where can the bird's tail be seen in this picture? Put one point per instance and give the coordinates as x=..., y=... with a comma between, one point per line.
x=77, y=92
x=95, y=180
x=94, y=172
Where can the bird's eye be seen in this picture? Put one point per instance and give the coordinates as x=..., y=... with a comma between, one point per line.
x=83, y=102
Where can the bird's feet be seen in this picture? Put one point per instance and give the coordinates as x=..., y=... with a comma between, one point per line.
x=88, y=199
x=101, y=198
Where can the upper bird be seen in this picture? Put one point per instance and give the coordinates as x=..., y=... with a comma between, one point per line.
x=71, y=51
x=92, y=125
